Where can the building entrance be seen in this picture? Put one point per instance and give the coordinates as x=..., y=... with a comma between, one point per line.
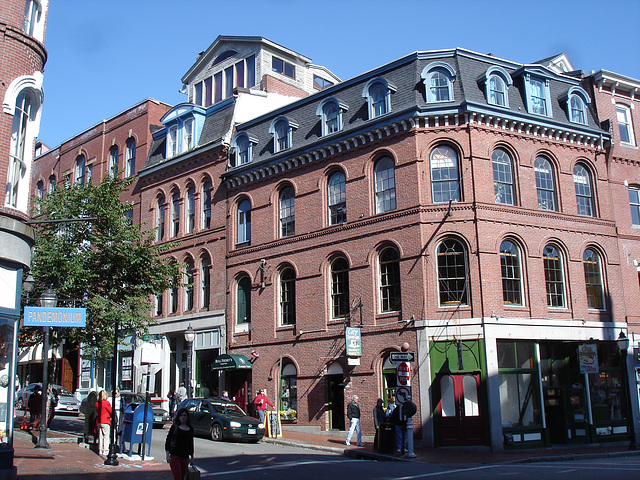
x=335, y=401
x=459, y=415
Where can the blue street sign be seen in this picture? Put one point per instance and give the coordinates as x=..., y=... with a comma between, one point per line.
x=55, y=317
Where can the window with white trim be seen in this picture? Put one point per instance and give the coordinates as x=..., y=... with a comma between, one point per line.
x=625, y=127
x=330, y=111
x=554, y=276
x=175, y=214
x=113, y=160
x=538, y=95
x=634, y=203
x=389, y=265
x=340, y=288
x=205, y=281
x=80, y=170
x=385, y=185
x=244, y=222
x=377, y=92
x=206, y=205
x=593, y=279
x=287, y=212
x=584, y=190
x=282, y=130
x=130, y=164
x=337, y=198
x=161, y=208
x=241, y=151
x=438, y=78
x=180, y=137
x=497, y=91
x=577, y=110
x=32, y=15
x=22, y=116
x=445, y=182
x=52, y=183
x=503, y=184
x=545, y=184
x=452, y=273
x=287, y=296
x=190, y=218
x=511, y=273
x=243, y=301
x=188, y=284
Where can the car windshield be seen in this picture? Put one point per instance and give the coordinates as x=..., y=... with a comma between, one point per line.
x=63, y=391
x=228, y=409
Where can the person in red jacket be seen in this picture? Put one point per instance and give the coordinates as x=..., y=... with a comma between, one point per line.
x=261, y=402
x=103, y=422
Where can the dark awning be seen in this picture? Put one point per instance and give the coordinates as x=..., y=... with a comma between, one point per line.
x=231, y=362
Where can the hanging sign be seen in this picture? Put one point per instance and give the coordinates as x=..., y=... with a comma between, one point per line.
x=588, y=358
x=353, y=341
x=55, y=317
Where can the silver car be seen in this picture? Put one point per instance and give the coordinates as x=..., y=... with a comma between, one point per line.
x=67, y=403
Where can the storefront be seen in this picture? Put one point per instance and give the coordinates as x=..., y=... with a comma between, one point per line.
x=508, y=384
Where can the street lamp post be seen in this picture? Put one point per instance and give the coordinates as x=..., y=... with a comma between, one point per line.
x=189, y=336
x=112, y=458
x=623, y=345
x=48, y=299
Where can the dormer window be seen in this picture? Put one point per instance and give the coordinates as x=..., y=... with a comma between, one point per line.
x=538, y=96
x=242, y=149
x=180, y=137
x=282, y=130
x=438, y=78
x=284, y=68
x=378, y=94
x=576, y=101
x=330, y=111
x=496, y=82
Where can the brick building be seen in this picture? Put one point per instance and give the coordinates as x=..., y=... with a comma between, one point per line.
x=325, y=223
x=368, y=205
x=22, y=59
x=115, y=146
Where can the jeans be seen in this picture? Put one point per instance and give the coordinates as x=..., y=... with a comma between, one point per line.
x=261, y=415
x=179, y=467
x=355, y=426
x=399, y=433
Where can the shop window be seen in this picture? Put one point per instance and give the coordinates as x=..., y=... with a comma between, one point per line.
x=289, y=393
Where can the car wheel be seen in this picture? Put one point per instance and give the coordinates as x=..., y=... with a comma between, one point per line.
x=216, y=432
x=20, y=404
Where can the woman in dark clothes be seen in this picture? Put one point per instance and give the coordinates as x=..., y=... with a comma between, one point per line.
x=179, y=444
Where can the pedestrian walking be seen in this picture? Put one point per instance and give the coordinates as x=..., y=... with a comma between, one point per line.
x=103, y=422
x=34, y=404
x=261, y=401
x=353, y=414
x=172, y=396
x=181, y=394
x=379, y=417
x=179, y=444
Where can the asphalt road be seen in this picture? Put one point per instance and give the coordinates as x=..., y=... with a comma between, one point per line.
x=267, y=461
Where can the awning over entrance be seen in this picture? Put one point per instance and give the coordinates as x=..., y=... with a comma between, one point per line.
x=231, y=362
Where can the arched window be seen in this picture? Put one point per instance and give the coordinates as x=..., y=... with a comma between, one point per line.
x=511, y=273
x=577, y=110
x=593, y=279
x=173, y=299
x=205, y=281
x=157, y=304
x=337, y=198
x=52, y=183
x=32, y=15
x=584, y=192
x=113, y=161
x=554, y=276
x=25, y=111
x=377, y=92
x=282, y=130
x=244, y=222
x=438, y=80
x=175, y=214
x=385, y=185
x=289, y=389
x=339, y=288
x=131, y=158
x=206, y=205
x=445, y=183
x=389, y=265
x=190, y=220
x=330, y=112
x=81, y=166
x=503, y=177
x=452, y=273
x=497, y=91
x=243, y=310
x=287, y=212
x=40, y=195
x=242, y=149
x=160, y=218
x=188, y=285
x=287, y=296
x=545, y=184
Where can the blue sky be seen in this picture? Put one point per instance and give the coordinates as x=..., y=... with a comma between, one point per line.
x=107, y=55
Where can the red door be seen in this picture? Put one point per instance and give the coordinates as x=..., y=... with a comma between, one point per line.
x=458, y=414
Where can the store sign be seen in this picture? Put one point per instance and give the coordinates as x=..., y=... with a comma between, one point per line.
x=353, y=341
x=588, y=358
x=55, y=317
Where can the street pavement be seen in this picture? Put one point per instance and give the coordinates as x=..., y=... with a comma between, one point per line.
x=67, y=458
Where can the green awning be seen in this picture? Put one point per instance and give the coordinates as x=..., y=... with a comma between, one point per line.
x=231, y=362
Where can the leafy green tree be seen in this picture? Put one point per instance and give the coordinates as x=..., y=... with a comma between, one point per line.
x=104, y=263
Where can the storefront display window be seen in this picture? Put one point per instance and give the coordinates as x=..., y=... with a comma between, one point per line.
x=289, y=393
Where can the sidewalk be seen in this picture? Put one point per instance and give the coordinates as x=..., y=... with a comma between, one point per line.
x=69, y=459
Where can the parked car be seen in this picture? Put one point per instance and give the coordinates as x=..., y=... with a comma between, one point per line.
x=222, y=420
x=161, y=417
x=67, y=403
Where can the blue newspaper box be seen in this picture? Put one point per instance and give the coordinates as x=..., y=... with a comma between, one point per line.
x=133, y=427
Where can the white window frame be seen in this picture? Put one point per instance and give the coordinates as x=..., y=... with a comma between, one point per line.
x=242, y=149
x=131, y=157
x=114, y=153
x=385, y=184
x=175, y=214
x=626, y=123
x=368, y=93
x=190, y=214
x=531, y=82
x=429, y=74
x=282, y=130
x=205, y=223
x=327, y=105
x=80, y=170
x=244, y=222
